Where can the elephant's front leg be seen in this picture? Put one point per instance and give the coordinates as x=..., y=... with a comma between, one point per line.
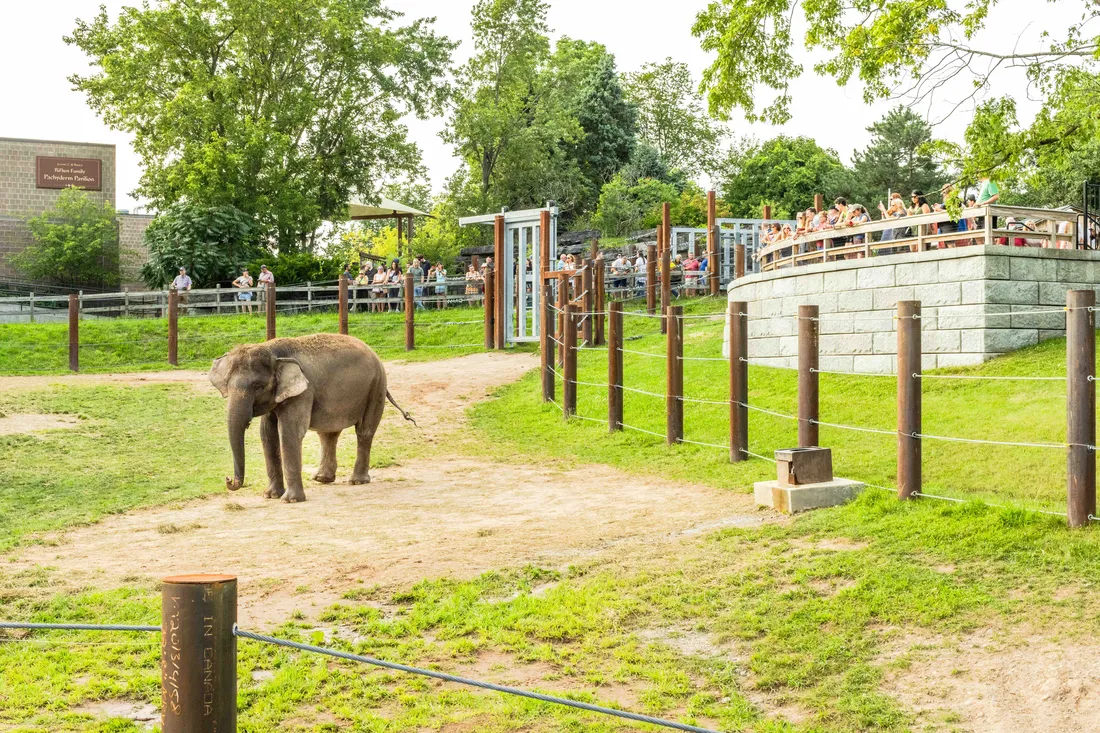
x=269, y=436
x=293, y=423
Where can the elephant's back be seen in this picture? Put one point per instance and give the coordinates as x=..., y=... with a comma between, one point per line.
x=337, y=366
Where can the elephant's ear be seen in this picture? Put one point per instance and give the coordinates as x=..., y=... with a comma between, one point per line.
x=289, y=380
x=219, y=374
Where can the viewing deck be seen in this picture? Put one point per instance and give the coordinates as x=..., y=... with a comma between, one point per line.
x=986, y=225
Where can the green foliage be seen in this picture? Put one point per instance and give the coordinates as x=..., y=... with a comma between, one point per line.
x=625, y=208
x=671, y=117
x=293, y=268
x=281, y=108
x=75, y=243
x=647, y=162
x=212, y=242
x=689, y=209
x=784, y=172
x=897, y=158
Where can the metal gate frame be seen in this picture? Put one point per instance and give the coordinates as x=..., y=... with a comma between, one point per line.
x=521, y=293
x=731, y=232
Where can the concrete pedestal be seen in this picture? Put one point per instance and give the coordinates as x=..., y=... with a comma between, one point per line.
x=790, y=499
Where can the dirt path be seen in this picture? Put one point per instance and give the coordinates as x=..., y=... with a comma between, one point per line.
x=452, y=516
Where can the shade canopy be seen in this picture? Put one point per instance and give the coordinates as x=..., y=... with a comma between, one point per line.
x=384, y=209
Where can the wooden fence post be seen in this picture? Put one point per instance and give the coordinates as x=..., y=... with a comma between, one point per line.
x=563, y=301
x=588, y=290
x=547, y=350
x=490, y=307
x=909, y=393
x=74, y=332
x=738, y=260
x=737, y=315
x=666, y=288
x=498, y=261
x=601, y=300
x=544, y=241
x=674, y=373
x=173, y=326
x=615, y=369
x=269, y=309
x=819, y=202
x=808, y=409
x=410, y=313
x=666, y=226
x=198, y=654
x=569, y=372
x=712, y=244
x=32, y=306
x=595, y=248
x=1080, y=406
x=651, y=279
x=342, y=305
x=218, y=298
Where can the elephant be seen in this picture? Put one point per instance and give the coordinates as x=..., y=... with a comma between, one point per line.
x=323, y=382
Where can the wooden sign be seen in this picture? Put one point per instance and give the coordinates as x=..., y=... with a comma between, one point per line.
x=83, y=173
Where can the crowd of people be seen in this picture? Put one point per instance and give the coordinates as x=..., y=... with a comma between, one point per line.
x=842, y=215
x=381, y=285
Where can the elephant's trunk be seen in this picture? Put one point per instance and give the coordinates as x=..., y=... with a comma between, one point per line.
x=239, y=415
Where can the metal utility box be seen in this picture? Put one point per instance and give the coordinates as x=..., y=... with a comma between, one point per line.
x=799, y=466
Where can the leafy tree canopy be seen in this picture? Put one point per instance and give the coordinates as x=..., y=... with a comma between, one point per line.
x=908, y=49
x=279, y=108
x=671, y=118
x=75, y=243
x=784, y=172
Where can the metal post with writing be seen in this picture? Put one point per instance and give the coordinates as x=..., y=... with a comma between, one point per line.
x=909, y=398
x=198, y=654
x=808, y=388
x=173, y=326
x=74, y=332
x=1080, y=406
x=737, y=316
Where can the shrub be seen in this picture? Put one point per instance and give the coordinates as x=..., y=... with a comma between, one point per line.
x=76, y=243
x=212, y=242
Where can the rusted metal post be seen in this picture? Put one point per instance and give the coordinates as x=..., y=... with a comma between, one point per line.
x=342, y=307
x=498, y=262
x=588, y=288
x=712, y=244
x=666, y=289
x=173, y=326
x=198, y=654
x=651, y=279
x=1080, y=406
x=601, y=301
x=546, y=338
x=74, y=332
x=269, y=309
x=674, y=373
x=410, y=316
x=909, y=392
x=808, y=410
x=737, y=315
x=569, y=371
x=615, y=369
x=490, y=308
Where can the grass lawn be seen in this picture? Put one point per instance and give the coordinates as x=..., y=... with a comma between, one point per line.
x=132, y=344
x=811, y=617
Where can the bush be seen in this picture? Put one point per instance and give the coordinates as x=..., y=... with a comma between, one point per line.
x=625, y=208
x=298, y=267
x=212, y=242
x=75, y=244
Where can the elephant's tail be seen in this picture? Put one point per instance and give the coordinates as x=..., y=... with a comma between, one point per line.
x=404, y=414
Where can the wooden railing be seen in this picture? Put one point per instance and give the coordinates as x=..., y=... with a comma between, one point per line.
x=914, y=234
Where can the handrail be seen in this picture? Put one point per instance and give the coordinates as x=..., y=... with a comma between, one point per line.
x=921, y=220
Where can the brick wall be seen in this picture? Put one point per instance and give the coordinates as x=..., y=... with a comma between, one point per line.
x=961, y=291
x=132, y=250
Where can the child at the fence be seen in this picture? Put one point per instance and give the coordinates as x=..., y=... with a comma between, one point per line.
x=244, y=282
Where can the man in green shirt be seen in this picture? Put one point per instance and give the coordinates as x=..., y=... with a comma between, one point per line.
x=989, y=192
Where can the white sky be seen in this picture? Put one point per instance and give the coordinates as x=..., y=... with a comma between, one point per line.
x=39, y=103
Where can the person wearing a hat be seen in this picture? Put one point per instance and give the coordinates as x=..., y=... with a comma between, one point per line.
x=182, y=285
x=266, y=276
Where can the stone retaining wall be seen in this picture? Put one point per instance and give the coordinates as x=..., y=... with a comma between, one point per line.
x=961, y=291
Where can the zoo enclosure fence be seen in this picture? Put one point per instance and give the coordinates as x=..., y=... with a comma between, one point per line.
x=561, y=344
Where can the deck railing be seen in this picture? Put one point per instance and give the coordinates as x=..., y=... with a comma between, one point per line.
x=915, y=234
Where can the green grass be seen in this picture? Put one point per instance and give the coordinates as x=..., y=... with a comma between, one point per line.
x=993, y=410
x=132, y=344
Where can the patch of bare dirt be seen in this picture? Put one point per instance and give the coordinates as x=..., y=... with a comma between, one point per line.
x=832, y=544
x=444, y=516
x=983, y=683
x=144, y=714
x=134, y=379
x=34, y=422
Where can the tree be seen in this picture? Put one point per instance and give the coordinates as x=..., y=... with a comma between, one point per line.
x=646, y=162
x=784, y=172
x=671, y=117
x=279, y=108
x=897, y=158
x=75, y=243
x=625, y=208
x=212, y=242
x=908, y=49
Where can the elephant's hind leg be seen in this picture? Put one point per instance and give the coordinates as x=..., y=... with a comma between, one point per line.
x=364, y=432
x=326, y=472
x=269, y=436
